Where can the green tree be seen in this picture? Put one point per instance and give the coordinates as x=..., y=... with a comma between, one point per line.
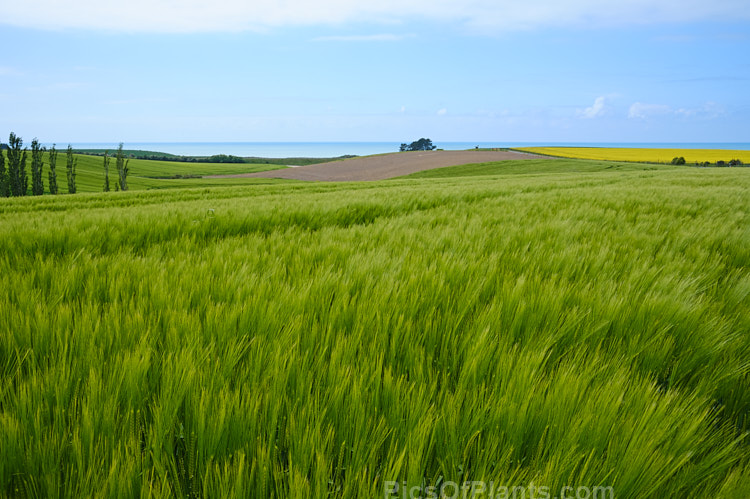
x=418, y=145
x=37, y=166
x=106, y=171
x=52, y=171
x=4, y=192
x=18, y=182
x=122, y=169
x=71, y=170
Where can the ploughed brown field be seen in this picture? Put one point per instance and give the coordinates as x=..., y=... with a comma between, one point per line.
x=385, y=165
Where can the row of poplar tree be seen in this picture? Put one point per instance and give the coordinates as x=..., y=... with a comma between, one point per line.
x=14, y=180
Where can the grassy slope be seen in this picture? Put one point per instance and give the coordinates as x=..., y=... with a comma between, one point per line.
x=529, y=166
x=134, y=153
x=302, y=339
x=90, y=173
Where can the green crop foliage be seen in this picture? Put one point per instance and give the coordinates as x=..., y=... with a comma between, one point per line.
x=581, y=325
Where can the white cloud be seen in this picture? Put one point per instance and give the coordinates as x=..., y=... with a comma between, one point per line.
x=685, y=112
x=8, y=71
x=643, y=111
x=594, y=111
x=442, y=112
x=709, y=110
x=237, y=15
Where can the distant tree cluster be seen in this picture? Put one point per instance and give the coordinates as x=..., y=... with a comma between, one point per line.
x=732, y=162
x=218, y=158
x=224, y=158
x=720, y=163
x=14, y=180
x=418, y=145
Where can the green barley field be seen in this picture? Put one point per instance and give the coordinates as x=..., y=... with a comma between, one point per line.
x=561, y=323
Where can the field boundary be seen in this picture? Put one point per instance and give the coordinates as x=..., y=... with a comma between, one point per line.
x=692, y=157
x=387, y=166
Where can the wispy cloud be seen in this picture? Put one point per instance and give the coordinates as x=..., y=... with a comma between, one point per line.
x=238, y=15
x=136, y=101
x=442, y=112
x=8, y=71
x=382, y=37
x=639, y=110
x=596, y=110
x=709, y=78
x=59, y=86
x=709, y=110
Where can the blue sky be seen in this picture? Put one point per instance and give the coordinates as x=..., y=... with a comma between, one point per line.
x=334, y=70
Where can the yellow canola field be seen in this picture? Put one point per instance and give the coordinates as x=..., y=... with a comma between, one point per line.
x=642, y=155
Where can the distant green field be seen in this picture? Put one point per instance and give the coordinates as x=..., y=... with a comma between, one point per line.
x=530, y=166
x=90, y=173
x=154, y=155
x=130, y=153
x=553, y=323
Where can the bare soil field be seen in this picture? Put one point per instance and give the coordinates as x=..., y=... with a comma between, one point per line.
x=385, y=166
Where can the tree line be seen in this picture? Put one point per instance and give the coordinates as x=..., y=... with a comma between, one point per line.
x=732, y=162
x=14, y=179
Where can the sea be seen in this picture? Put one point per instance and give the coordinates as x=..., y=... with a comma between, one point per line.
x=337, y=149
